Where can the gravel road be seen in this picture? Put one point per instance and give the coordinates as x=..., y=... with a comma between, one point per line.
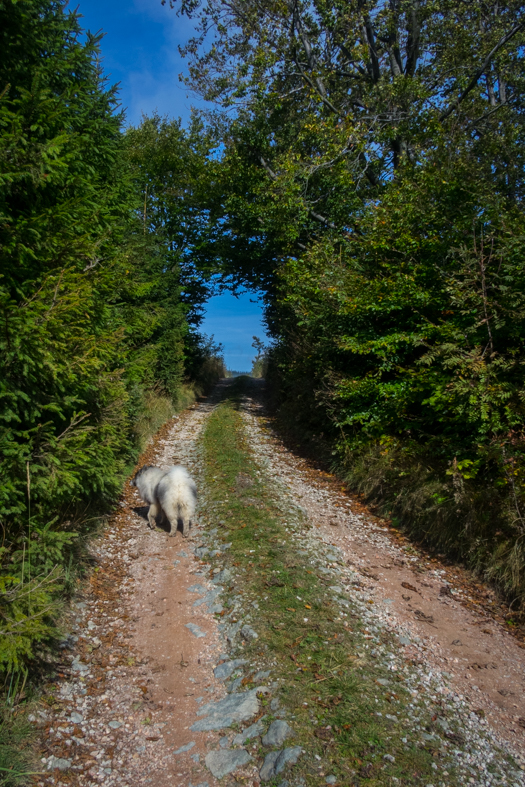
x=150, y=682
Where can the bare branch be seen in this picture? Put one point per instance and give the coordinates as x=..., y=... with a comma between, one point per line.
x=75, y=422
x=488, y=114
x=324, y=99
x=368, y=35
x=481, y=70
x=412, y=45
x=92, y=264
x=316, y=83
x=322, y=219
x=290, y=93
x=268, y=169
x=490, y=91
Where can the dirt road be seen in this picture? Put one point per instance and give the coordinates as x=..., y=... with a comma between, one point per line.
x=167, y=676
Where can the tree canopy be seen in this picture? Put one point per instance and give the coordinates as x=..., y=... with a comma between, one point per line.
x=371, y=182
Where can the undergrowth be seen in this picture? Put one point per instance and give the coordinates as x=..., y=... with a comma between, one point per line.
x=155, y=410
x=17, y=761
x=470, y=519
x=330, y=682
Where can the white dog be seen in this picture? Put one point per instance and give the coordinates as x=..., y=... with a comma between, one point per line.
x=170, y=492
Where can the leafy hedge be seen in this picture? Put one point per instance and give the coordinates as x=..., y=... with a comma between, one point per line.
x=413, y=347
x=94, y=326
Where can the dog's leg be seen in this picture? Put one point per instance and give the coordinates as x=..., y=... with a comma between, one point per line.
x=152, y=513
x=185, y=527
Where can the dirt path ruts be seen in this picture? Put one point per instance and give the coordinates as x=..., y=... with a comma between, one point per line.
x=133, y=672
x=480, y=659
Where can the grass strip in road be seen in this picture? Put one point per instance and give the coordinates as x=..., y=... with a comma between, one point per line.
x=350, y=713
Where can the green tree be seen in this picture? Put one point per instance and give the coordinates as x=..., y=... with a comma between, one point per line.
x=173, y=169
x=90, y=308
x=371, y=181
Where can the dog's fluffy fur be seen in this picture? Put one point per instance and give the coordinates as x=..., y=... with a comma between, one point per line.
x=171, y=493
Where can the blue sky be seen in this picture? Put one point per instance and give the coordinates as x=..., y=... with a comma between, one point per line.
x=234, y=321
x=140, y=52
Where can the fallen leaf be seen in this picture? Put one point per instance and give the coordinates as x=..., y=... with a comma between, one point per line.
x=290, y=609
x=408, y=586
x=419, y=615
x=307, y=606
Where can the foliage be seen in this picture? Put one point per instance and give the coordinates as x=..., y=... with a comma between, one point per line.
x=205, y=362
x=260, y=362
x=371, y=181
x=171, y=173
x=93, y=310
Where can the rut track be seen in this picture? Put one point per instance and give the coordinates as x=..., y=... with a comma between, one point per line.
x=132, y=669
x=413, y=594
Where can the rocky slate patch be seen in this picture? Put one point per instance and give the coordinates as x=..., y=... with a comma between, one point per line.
x=276, y=761
x=223, y=762
x=277, y=733
x=235, y=708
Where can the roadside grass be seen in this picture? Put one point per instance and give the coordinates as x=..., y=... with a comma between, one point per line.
x=17, y=759
x=348, y=709
x=155, y=409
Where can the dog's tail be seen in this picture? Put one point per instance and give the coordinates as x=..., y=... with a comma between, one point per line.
x=178, y=504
